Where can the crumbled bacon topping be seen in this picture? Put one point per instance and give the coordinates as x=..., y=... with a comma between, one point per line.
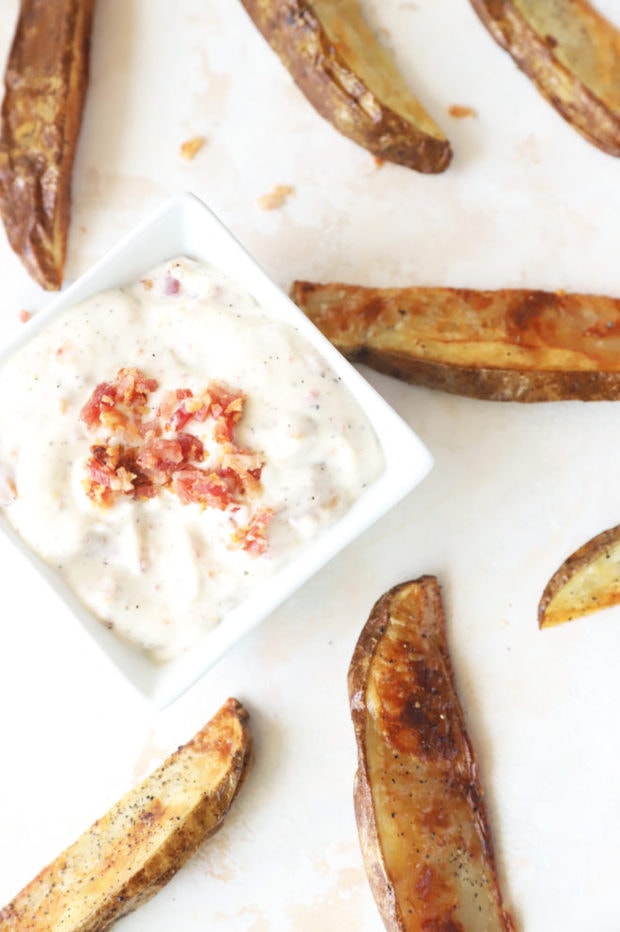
x=139, y=449
x=253, y=537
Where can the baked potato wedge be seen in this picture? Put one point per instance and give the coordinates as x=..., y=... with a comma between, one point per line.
x=351, y=79
x=572, y=55
x=125, y=857
x=504, y=345
x=588, y=580
x=46, y=79
x=419, y=803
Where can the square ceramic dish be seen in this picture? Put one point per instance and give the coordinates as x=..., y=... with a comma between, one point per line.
x=185, y=226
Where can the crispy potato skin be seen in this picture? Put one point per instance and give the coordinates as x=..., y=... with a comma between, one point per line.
x=132, y=851
x=505, y=345
x=419, y=803
x=315, y=41
x=587, y=581
x=46, y=80
x=571, y=53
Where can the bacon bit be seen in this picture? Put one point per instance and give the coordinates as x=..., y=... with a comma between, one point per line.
x=227, y=408
x=191, y=147
x=253, y=537
x=161, y=456
x=276, y=197
x=103, y=397
x=247, y=465
x=169, y=402
x=172, y=285
x=105, y=475
x=25, y=316
x=216, y=489
x=191, y=447
x=459, y=111
x=180, y=417
x=133, y=385
x=145, y=451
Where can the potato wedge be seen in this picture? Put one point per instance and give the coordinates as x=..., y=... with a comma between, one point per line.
x=587, y=581
x=45, y=86
x=572, y=55
x=419, y=804
x=351, y=79
x=504, y=345
x=133, y=850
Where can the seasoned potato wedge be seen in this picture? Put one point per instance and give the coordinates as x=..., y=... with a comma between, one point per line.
x=45, y=86
x=351, y=79
x=419, y=804
x=505, y=345
x=133, y=850
x=571, y=53
x=587, y=581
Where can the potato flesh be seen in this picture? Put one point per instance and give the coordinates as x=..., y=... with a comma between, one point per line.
x=367, y=58
x=586, y=44
x=423, y=826
x=128, y=854
x=589, y=580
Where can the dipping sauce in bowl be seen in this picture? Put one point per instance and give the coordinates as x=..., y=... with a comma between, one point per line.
x=167, y=445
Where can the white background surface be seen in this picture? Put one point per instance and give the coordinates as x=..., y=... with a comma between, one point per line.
x=514, y=489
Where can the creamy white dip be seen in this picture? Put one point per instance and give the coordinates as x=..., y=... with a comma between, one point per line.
x=159, y=572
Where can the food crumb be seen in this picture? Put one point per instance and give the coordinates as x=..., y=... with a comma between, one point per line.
x=459, y=111
x=191, y=147
x=25, y=316
x=379, y=162
x=276, y=197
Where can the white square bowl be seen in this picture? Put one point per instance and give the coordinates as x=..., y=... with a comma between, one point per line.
x=185, y=226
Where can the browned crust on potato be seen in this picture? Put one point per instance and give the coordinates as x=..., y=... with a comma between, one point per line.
x=577, y=76
x=46, y=80
x=321, y=68
x=505, y=345
x=603, y=590
x=159, y=824
x=403, y=694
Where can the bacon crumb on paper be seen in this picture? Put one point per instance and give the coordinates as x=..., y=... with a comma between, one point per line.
x=191, y=147
x=460, y=111
x=276, y=197
x=25, y=316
